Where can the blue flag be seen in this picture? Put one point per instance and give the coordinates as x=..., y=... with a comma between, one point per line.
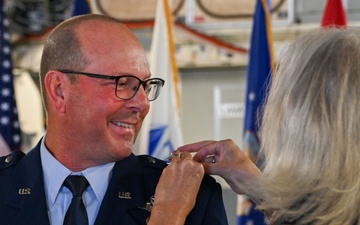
x=258, y=76
x=9, y=123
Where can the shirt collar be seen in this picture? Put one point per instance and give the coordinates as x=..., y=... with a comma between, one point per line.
x=99, y=178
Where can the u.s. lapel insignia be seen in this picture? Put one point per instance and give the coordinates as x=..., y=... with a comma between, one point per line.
x=24, y=191
x=124, y=195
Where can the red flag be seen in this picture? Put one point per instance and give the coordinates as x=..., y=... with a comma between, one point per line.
x=334, y=15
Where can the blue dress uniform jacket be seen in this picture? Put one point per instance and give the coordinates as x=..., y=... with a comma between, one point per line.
x=127, y=200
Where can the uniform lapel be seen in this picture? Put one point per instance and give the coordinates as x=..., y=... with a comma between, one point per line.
x=124, y=202
x=124, y=195
x=26, y=195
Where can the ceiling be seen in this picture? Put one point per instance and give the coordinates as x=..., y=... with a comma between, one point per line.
x=221, y=29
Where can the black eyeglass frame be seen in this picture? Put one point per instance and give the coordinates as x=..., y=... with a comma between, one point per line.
x=116, y=79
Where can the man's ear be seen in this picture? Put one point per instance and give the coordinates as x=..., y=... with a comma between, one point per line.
x=54, y=84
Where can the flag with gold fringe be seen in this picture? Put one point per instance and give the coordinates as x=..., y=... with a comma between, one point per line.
x=161, y=132
x=261, y=61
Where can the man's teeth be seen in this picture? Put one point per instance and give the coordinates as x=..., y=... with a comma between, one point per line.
x=120, y=124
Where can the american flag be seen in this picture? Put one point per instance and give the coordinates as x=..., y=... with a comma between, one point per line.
x=9, y=123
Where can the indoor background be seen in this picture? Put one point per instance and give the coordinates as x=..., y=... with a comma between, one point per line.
x=212, y=38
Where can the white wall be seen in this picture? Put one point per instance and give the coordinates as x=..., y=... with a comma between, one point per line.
x=198, y=113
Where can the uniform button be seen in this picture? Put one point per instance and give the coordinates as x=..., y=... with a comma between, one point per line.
x=8, y=159
x=151, y=159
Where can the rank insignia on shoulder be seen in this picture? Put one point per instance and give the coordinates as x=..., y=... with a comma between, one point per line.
x=148, y=206
x=10, y=160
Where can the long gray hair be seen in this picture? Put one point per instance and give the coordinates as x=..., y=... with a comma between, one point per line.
x=311, y=131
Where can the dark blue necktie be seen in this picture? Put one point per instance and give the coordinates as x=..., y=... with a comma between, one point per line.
x=76, y=213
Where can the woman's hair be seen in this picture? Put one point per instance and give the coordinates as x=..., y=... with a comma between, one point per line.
x=310, y=131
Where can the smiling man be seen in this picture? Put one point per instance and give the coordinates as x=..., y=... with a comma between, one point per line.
x=96, y=88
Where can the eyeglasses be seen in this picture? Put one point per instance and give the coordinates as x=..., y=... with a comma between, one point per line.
x=128, y=85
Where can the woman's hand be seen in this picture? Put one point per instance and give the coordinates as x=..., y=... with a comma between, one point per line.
x=225, y=158
x=176, y=192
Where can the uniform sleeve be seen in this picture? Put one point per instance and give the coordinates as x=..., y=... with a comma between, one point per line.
x=215, y=213
x=209, y=208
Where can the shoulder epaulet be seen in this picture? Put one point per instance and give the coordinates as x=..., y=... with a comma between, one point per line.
x=149, y=161
x=11, y=159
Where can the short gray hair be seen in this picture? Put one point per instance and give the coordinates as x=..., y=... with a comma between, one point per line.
x=62, y=49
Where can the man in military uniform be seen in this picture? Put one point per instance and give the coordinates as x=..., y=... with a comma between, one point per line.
x=96, y=88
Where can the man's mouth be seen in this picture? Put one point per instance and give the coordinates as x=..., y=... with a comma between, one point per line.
x=120, y=124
